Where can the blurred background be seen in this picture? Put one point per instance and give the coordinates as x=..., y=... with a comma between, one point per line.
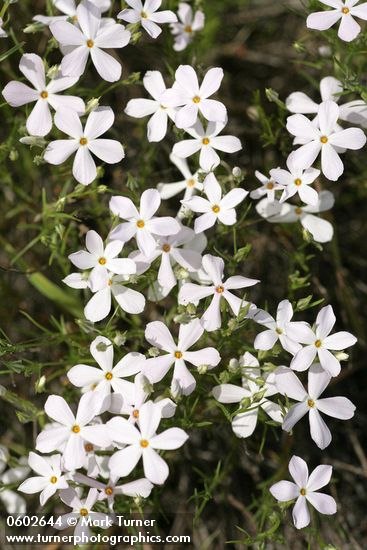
x=261, y=45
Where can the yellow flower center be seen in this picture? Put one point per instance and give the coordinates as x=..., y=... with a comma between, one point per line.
x=144, y=443
x=196, y=99
x=220, y=289
x=279, y=331
x=302, y=492
x=298, y=211
x=216, y=209
x=191, y=183
x=178, y=354
x=188, y=29
x=75, y=429
x=74, y=19
x=108, y=375
x=53, y=479
x=143, y=15
x=345, y=11
x=83, y=512
x=206, y=141
x=88, y=447
x=108, y=491
x=136, y=413
x=44, y=94
x=166, y=247
x=318, y=343
x=90, y=43
x=270, y=185
x=83, y=141
x=110, y=282
x=310, y=403
x=102, y=261
x=163, y=107
x=323, y=139
x=298, y=182
x=140, y=224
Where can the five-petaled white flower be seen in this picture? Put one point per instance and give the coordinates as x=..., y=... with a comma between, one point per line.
x=82, y=512
x=296, y=180
x=142, y=224
x=318, y=343
x=107, y=378
x=330, y=88
x=148, y=15
x=305, y=489
x=192, y=99
x=156, y=368
x=207, y=141
x=277, y=329
x=109, y=490
x=84, y=142
x=190, y=184
x=69, y=7
x=268, y=187
x=97, y=255
x=216, y=207
x=49, y=480
x=91, y=39
x=344, y=11
x=104, y=285
x=172, y=251
x=188, y=24
x=310, y=403
x=244, y=423
x=72, y=431
x=143, y=443
x=39, y=122
x=219, y=289
x=324, y=138
x=139, y=108
x=132, y=400
x=321, y=230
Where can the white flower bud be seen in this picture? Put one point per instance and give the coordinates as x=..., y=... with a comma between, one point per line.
x=203, y=369
x=233, y=365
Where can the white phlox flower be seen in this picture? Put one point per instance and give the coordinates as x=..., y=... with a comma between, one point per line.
x=343, y=11
x=142, y=224
x=268, y=187
x=320, y=344
x=69, y=7
x=306, y=490
x=191, y=99
x=39, y=122
x=84, y=142
x=324, y=138
x=160, y=113
x=188, y=24
x=71, y=430
x=216, y=207
x=296, y=181
x=147, y=15
x=321, y=230
x=207, y=142
x=277, y=329
x=244, y=423
x=91, y=39
x=309, y=402
x=156, y=368
x=50, y=478
x=143, y=443
x=218, y=289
